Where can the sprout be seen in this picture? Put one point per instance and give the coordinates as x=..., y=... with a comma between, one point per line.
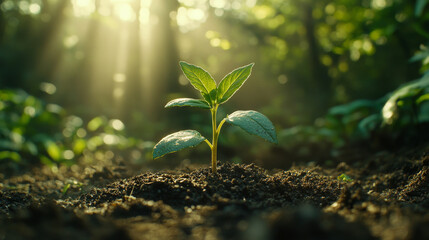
x=214, y=95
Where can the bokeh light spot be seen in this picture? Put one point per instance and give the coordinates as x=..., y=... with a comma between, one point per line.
x=117, y=124
x=48, y=88
x=68, y=154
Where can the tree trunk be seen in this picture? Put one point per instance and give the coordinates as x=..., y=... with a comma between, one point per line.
x=321, y=90
x=80, y=83
x=132, y=101
x=47, y=54
x=164, y=66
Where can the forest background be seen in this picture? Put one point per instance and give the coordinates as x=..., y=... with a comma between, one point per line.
x=88, y=79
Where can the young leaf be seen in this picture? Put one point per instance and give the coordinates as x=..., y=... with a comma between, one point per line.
x=254, y=123
x=177, y=141
x=201, y=80
x=232, y=82
x=187, y=102
x=420, y=5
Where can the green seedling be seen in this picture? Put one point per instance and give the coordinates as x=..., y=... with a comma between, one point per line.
x=214, y=95
x=65, y=188
x=345, y=178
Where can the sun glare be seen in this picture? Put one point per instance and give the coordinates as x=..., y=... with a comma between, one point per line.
x=106, y=35
x=190, y=18
x=124, y=12
x=121, y=9
x=83, y=7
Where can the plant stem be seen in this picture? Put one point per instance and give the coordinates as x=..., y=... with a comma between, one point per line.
x=208, y=143
x=214, y=140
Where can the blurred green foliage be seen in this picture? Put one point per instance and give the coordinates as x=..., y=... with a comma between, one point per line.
x=33, y=131
x=402, y=113
x=28, y=127
x=408, y=105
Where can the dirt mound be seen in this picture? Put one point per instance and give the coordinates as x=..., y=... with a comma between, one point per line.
x=239, y=184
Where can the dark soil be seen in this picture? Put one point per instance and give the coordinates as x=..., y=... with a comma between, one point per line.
x=385, y=197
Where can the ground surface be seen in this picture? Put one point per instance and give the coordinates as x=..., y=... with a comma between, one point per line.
x=385, y=197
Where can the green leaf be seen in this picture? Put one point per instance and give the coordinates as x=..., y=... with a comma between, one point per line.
x=96, y=123
x=369, y=124
x=254, y=123
x=422, y=98
x=65, y=188
x=420, y=5
x=79, y=146
x=53, y=150
x=420, y=56
x=9, y=155
x=409, y=91
x=187, y=102
x=343, y=177
x=423, y=112
x=201, y=80
x=177, y=141
x=232, y=82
